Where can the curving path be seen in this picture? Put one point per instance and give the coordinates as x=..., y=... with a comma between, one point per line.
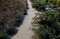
x=24, y=30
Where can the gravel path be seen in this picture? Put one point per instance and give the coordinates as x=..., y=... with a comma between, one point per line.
x=25, y=31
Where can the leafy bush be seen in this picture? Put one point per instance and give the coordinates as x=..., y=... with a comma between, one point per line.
x=9, y=9
x=49, y=25
x=40, y=4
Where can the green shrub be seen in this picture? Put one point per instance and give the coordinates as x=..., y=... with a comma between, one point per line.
x=40, y=4
x=49, y=25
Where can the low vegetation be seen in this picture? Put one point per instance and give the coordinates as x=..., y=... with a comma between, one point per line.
x=43, y=4
x=9, y=11
x=46, y=23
